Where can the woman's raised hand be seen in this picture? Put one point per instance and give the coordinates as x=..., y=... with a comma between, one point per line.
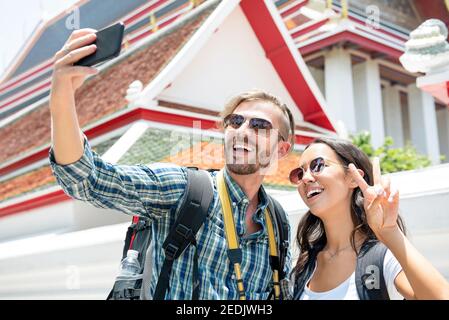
x=381, y=203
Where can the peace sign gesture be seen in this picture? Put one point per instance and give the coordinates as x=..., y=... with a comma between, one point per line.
x=381, y=204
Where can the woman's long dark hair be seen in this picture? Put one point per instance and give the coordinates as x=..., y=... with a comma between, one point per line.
x=311, y=234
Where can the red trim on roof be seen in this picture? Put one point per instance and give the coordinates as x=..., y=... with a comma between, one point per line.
x=150, y=115
x=354, y=38
x=40, y=201
x=320, y=44
x=309, y=28
x=144, y=12
x=42, y=86
x=24, y=162
x=294, y=8
x=283, y=61
x=25, y=76
x=303, y=140
x=149, y=32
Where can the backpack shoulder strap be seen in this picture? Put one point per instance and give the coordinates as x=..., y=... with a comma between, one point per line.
x=369, y=276
x=282, y=225
x=300, y=280
x=191, y=216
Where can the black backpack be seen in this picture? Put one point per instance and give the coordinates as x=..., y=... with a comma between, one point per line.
x=369, y=277
x=190, y=217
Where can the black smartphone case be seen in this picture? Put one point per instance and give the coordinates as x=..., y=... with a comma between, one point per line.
x=109, y=44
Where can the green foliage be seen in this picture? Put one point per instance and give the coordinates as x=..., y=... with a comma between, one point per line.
x=392, y=159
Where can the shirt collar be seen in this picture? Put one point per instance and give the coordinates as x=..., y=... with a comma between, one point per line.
x=237, y=195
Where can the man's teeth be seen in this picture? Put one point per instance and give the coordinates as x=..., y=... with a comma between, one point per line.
x=240, y=147
x=314, y=192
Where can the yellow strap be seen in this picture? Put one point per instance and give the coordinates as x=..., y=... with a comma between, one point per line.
x=231, y=235
x=271, y=236
x=273, y=252
x=240, y=286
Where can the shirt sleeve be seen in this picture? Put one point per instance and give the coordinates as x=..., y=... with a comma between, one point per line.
x=391, y=270
x=149, y=191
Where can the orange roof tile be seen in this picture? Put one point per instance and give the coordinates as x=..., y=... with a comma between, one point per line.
x=26, y=183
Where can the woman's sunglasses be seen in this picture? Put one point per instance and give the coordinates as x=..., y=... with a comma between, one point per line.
x=236, y=121
x=316, y=166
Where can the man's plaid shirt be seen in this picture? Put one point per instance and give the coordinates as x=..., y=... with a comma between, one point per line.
x=155, y=191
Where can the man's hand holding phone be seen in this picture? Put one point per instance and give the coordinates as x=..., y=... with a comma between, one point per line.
x=84, y=49
x=66, y=76
x=72, y=65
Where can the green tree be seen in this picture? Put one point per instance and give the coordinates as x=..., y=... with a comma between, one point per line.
x=391, y=159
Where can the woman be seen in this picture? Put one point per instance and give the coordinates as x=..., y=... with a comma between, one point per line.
x=353, y=213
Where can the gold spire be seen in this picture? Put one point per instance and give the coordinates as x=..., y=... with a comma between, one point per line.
x=126, y=43
x=153, y=22
x=344, y=9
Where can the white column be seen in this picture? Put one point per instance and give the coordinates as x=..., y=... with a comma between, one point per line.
x=368, y=101
x=443, y=131
x=318, y=75
x=339, y=88
x=393, y=115
x=423, y=123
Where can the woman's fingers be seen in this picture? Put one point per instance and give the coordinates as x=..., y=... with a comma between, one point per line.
x=358, y=178
x=386, y=185
x=377, y=175
x=393, y=195
x=392, y=209
x=393, y=200
x=376, y=202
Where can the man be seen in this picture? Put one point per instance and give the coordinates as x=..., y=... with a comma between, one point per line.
x=155, y=191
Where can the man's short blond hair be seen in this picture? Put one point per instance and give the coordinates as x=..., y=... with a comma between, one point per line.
x=288, y=124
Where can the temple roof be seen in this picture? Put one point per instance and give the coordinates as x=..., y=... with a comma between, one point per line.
x=104, y=94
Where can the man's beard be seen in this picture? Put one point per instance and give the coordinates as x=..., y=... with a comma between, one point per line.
x=256, y=161
x=246, y=168
x=243, y=169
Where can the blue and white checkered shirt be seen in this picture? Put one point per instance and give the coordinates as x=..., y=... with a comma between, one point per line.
x=155, y=191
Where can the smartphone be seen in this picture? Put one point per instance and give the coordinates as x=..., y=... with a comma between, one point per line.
x=109, y=43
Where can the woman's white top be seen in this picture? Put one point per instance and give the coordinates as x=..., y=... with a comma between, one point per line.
x=348, y=290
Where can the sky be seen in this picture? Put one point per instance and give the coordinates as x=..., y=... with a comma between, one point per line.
x=18, y=19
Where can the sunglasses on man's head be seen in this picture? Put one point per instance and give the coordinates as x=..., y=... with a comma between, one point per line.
x=236, y=121
x=316, y=166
